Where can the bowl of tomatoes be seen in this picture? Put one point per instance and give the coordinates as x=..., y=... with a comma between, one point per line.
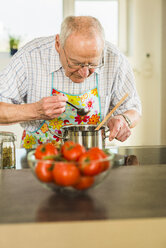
x=71, y=168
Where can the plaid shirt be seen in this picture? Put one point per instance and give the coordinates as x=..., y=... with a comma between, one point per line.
x=28, y=78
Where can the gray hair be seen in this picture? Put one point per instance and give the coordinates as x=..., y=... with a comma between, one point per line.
x=86, y=25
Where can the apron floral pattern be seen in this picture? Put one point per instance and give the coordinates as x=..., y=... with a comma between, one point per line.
x=49, y=128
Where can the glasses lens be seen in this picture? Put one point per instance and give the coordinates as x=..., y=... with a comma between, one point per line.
x=78, y=66
x=74, y=66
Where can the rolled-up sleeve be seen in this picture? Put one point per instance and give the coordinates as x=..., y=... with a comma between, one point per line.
x=13, y=83
x=124, y=82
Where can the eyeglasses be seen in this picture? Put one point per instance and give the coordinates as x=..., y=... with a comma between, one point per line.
x=81, y=65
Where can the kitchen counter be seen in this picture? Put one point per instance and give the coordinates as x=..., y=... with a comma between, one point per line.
x=127, y=210
x=128, y=192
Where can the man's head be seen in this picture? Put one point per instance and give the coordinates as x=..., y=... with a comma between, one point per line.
x=80, y=46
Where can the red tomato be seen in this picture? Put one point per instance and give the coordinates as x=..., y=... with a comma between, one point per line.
x=46, y=150
x=84, y=183
x=89, y=164
x=66, y=174
x=43, y=171
x=72, y=151
x=103, y=155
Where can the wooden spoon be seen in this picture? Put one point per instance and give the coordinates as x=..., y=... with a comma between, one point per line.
x=112, y=111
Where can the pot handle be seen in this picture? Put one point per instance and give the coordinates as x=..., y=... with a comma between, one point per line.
x=59, y=136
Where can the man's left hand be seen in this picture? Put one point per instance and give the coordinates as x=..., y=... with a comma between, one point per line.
x=119, y=128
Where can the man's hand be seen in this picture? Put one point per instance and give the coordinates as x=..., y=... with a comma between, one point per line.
x=119, y=128
x=51, y=107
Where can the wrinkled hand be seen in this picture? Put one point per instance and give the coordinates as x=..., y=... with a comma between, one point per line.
x=51, y=107
x=119, y=128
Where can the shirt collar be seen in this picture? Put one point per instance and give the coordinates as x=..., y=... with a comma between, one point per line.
x=54, y=60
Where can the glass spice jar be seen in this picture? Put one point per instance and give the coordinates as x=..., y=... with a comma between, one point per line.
x=7, y=150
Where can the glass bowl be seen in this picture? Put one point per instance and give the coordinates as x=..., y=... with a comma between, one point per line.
x=97, y=179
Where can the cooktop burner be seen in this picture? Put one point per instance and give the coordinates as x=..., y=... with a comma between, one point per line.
x=146, y=155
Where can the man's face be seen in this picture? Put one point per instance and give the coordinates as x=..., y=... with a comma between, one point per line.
x=80, y=56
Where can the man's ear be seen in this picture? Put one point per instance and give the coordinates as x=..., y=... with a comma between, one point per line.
x=57, y=43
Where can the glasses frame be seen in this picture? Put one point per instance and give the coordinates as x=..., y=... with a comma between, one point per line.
x=82, y=65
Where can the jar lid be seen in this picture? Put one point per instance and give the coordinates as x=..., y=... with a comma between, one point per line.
x=7, y=135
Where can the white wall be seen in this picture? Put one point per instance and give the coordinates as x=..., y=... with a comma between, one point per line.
x=4, y=59
x=146, y=38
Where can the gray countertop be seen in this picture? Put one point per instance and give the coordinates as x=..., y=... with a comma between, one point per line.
x=128, y=192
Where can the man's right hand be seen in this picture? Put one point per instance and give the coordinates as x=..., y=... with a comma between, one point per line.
x=51, y=107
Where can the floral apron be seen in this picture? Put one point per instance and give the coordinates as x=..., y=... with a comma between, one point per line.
x=89, y=100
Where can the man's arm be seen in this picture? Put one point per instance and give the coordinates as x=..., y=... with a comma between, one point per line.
x=133, y=116
x=15, y=113
x=45, y=109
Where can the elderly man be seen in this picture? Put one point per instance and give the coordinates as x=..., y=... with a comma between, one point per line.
x=78, y=66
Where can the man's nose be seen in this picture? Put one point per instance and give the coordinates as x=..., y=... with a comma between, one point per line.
x=84, y=72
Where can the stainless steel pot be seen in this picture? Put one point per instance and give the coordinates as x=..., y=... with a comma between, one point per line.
x=85, y=135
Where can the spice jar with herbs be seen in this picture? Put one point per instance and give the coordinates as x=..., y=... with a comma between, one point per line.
x=7, y=150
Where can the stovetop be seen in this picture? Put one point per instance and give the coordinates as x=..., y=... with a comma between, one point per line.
x=125, y=155
x=146, y=155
